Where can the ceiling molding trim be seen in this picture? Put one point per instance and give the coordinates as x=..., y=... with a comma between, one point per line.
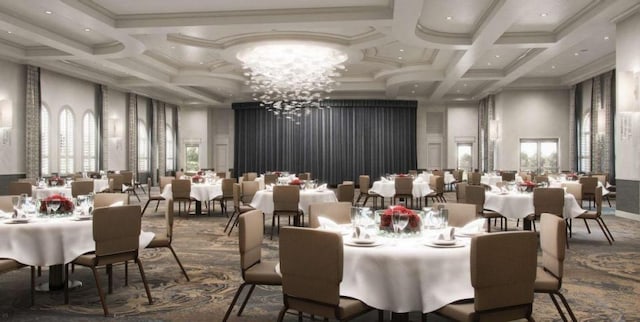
x=595, y=68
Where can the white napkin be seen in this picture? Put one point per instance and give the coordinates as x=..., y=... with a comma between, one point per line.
x=328, y=224
x=447, y=234
x=418, y=180
x=361, y=234
x=322, y=187
x=5, y=214
x=495, y=189
x=117, y=203
x=474, y=227
x=383, y=179
x=269, y=187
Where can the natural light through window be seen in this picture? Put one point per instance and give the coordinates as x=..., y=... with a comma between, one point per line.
x=143, y=147
x=88, y=142
x=170, y=148
x=65, y=141
x=44, y=141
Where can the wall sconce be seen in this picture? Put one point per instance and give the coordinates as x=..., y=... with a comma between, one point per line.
x=6, y=120
x=114, y=131
x=494, y=130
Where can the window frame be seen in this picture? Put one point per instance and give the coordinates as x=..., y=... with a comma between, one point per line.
x=66, y=141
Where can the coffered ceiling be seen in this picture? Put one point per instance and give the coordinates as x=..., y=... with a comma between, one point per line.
x=184, y=51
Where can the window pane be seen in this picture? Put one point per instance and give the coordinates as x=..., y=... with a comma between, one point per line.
x=192, y=153
x=143, y=147
x=88, y=142
x=170, y=148
x=66, y=141
x=464, y=157
x=528, y=156
x=44, y=141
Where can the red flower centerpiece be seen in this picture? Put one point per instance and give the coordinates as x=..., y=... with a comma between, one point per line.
x=529, y=185
x=197, y=178
x=295, y=182
x=572, y=176
x=386, y=219
x=55, y=180
x=66, y=205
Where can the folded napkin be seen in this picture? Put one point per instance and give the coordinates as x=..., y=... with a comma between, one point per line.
x=328, y=224
x=361, y=234
x=447, y=234
x=116, y=204
x=474, y=227
x=322, y=187
x=5, y=214
x=269, y=187
x=418, y=180
x=383, y=179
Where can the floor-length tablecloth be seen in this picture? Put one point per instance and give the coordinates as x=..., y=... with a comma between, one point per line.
x=517, y=205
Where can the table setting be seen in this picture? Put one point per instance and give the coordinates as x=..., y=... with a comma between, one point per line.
x=310, y=193
x=386, y=188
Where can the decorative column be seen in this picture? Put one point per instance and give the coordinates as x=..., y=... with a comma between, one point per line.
x=32, y=130
x=104, y=128
x=132, y=133
x=161, y=135
x=573, y=149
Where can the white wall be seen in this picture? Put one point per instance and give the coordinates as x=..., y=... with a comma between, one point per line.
x=12, y=144
x=116, y=127
x=462, y=127
x=192, y=128
x=535, y=114
x=221, y=135
x=59, y=91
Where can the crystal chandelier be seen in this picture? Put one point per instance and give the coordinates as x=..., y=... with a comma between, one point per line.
x=288, y=78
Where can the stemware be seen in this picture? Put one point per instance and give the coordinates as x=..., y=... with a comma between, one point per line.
x=399, y=221
x=54, y=204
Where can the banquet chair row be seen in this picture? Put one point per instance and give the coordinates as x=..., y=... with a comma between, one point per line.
x=346, y=192
x=365, y=181
x=475, y=195
x=239, y=206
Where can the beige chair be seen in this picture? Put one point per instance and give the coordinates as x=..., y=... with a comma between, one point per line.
x=575, y=190
x=181, y=192
x=508, y=176
x=549, y=275
x=339, y=212
x=221, y=175
x=255, y=271
x=460, y=214
x=597, y=216
x=404, y=190
x=116, y=232
x=107, y=199
x=115, y=182
x=304, y=176
x=6, y=202
x=164, y=181
x=286, y=201
x=179, y=174
x=81, y=188
x=436, y=183
x=270, y=178
x=345, y=192
x=127, y=181
x=589, y=185
x=249, y=189
x=18, y=188
x=475, y=195
x=461, y=190
x=250, y=176
x=475, y=178
x=164, y=241
x=525, y=176
x=457, y=176
x=311, y=267
x=227, y=194
x=549, y=200
x=541, y=179
x=239, y=208
x=503, y=272
x=364, y=181
x=603, y=179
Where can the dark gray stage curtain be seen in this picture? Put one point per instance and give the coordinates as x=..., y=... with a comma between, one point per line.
x=351, y=138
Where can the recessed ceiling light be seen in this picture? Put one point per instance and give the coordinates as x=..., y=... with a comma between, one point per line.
x=497, y=56
x=87, y=29
x=401, y=50
x=9, y=31
x=465, y=84
x=400, y=57
x=544, y=14
x=489, y=64
x=48, y=12
x=449, y=18
x=173, y=47
x=457, y=91
x=413, y=92
x=576, y=54
x=606, y=37
x=415, y=85
x=553, y=66
x=201, y=63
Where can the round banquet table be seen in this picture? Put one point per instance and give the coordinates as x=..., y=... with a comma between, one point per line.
x=404, y=275
x=387, y=189
x=517, y=205
x=199, y=191
x=263, y=199
x=490, y=180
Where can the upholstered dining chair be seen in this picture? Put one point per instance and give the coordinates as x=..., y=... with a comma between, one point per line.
x=18, y=188
x=107, y=199
x=116, y=232
x=549, y=200
x=364, y=182
x=436, y=183
x=541, y=179
x=303, y=176
x=285, y=203
x=227, y=194
x=475, y=194
x=404, y=190
x=181, y=192
x=597, y=216
x=249, y=189
x=270, y=178
x=508, y=176
x=475, y=178
x=255, y=271
x=250, y=176
x=575, y=190
x=589, y=185
x=460, y=214
x=457, y=178
x=164, y=181
x=239, y=208
x=81, y=188
x=603, y=179
x=311, y=263
x=345, y=192
x=164, y=240
x=503, y=272
x=461, y=190
x=221, y=175
x=339, y=212
x=549, y=275
x=115, y=182
x=127, y=182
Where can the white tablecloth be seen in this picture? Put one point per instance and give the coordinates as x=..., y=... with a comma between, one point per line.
x=41, y=193
x=408, y=276
x=100, y=185
x=490, y=180
x=559, y=183
x=518, y=205
x=388, y=188
x=263, y=199
x=45, y=242
x=199, y=191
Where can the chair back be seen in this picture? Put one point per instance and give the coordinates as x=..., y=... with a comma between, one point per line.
x=598, y=198
x=364, y=182
x=553, y=238
x=164, y=181
x=227, y=187
x=345, y=192
x=461, y=189
x=574, y=189
x=270, y=178
x=81, y=188
x=589, y=185
x=311, y=266
x=457, y=175
x=503, y=269
x=249, y=189
x=168, y=217
x=303, y=176
x=460, y=214
x=221, y=175
x=474, y=178
x=413, y=173
x=181, y=189
x=475, y=196
x=404, y=185
x=116, y=231
x=18, y=188
x=525, y=177
x=549, y=200
x=237, y=195
x=250, y=176
x=286, y=198
x=436, y=172
x=32, y=181
x=539, y=179
x=179, y=174
x=508, y=176
x=6, y=202
x=106, y=199
x=602, y=178
x=339, y=212
x=127, y=178
x=439, y=184
x=251, y=226
x=115, y=182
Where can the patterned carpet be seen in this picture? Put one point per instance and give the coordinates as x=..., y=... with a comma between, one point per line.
x=601, y=282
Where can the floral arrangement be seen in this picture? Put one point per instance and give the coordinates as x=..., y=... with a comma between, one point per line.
x=197, y=178
x=401, y=175
x=66, y=205
x=200, y=173
x=528, y=183
x=572, y=176
x=295, y=182
x=386, y=219
x=58, y=181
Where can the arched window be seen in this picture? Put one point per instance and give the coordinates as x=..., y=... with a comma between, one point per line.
x=89, y=142
x=66, y=140
x=143, y=147
x=170, y=148
x=44, y=140
x=584, y=153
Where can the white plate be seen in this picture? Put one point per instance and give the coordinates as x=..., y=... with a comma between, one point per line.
x=455, y=245
x=463, y=234
x=81, y=218
x=350, y=242
x=442, y=242
x=18, y=221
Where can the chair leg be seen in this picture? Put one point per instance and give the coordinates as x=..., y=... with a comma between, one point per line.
x=233, y=302
x=566, y=306
x=145, y=206
x=102, y=299
x=230, y=220
x=144, y=280
x=587, y=224
x=273, y=224
x=604, y=232
x=179, y=263
x=281, y=314
x=557, y=305
x=126, y=273
x=246, y=299
x=110, y=278
x=33, y=286
x=607, y=228
x=157, y=204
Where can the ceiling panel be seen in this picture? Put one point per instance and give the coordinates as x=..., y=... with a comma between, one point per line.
x=550, y=15
x=499, y=58
x=465, y=15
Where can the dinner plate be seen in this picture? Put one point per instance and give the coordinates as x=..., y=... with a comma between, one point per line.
x=351, y=242
x=81, y=218
x=443, y=242
x=18, y=221
x=454, y=245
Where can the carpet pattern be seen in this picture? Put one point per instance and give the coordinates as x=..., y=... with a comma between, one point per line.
x=601, y=282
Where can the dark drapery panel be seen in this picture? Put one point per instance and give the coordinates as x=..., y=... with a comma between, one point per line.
x=351, y=138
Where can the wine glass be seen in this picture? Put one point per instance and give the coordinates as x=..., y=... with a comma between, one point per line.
x=54, y=204
x=400, y=222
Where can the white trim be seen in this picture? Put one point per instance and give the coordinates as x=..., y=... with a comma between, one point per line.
x=628, y=215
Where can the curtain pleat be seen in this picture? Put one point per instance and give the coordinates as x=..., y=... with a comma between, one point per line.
x=132, y=133
x=32, y=114
x=573, y=130
x=102, y=117
x=351, y=138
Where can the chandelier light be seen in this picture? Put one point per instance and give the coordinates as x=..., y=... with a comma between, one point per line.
x=287, y=78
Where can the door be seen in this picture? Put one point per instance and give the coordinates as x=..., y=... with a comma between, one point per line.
x=434, y=155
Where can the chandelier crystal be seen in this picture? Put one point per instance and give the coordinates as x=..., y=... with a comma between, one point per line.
x=287, y=78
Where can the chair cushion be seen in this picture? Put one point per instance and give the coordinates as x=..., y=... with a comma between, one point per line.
x=588, y=215
x=459, y=311
x=545, y=282
x=465, y=311
x=159, y=241
x=263, y=273
x=351, y=307
x=7, y=265
x=490, y=214
x=245, y=208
